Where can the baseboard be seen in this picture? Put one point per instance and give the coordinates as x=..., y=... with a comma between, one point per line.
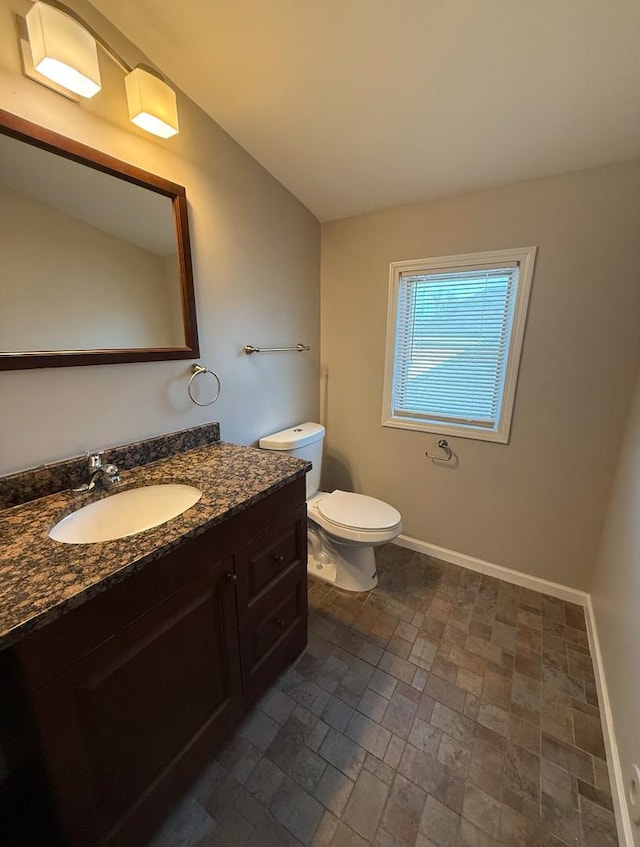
x=536, y=583
x=618, y=789
x=573, y=595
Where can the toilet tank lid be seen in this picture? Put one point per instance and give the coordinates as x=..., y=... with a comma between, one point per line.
x=294, y=437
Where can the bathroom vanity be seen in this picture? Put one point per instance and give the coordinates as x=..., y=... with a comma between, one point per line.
x=136, y=673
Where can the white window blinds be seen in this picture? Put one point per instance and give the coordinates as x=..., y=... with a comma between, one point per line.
x=453, y=331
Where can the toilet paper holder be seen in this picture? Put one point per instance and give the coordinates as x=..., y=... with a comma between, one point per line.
x=443, y=444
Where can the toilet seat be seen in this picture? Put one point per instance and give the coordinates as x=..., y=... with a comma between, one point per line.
x=355, y=517
x=357, y=511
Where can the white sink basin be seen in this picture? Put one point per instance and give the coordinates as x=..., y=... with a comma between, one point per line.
x=125, y=513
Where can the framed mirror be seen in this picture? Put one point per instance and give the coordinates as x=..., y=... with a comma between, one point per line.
x=95, y=259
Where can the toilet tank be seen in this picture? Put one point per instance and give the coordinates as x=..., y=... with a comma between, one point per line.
x=303, y=441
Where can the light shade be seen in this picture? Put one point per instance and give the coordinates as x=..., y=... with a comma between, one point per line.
x=63, y=50
x=152, y=103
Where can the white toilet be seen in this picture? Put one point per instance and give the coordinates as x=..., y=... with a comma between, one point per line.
x=343, y=527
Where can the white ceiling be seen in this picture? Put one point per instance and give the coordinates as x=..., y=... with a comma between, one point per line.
x=356, y=105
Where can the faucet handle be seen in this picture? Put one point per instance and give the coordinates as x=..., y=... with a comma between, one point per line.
x=94, y=460
x=111, y=475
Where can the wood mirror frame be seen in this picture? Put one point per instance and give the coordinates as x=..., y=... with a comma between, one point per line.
x=23, y=130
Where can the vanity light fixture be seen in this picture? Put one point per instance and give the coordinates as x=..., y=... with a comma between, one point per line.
x=152, y=103
x=64, y=50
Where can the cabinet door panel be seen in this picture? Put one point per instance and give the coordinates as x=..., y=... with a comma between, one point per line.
x=118, y=723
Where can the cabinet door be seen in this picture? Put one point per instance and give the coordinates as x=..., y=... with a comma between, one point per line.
x=127, y=728
x=272, y=593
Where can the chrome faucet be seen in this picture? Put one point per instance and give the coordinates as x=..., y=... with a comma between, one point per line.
x=95, y=470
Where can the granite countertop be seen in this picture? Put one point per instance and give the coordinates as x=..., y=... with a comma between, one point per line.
x=41, y=579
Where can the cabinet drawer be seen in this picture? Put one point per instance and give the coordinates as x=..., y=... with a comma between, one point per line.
x=274, y=623
x=270, y=554
x=274, y=629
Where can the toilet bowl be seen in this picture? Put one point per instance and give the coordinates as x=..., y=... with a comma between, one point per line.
x=343, y=527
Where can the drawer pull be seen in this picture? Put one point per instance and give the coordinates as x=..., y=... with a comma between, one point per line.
x=279, y=558
x=279, y=622
x=232, y=578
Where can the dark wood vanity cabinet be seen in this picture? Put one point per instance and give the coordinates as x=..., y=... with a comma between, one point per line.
x=132, y=692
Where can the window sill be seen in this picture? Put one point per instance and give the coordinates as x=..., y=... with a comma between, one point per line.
x=452, y=430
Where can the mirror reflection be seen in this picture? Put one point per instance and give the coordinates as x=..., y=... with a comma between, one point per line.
x=88, y=261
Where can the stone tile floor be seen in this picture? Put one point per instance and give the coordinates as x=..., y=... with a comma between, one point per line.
x=443, y=709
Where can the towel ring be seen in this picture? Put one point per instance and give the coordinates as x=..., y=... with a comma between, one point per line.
x=196, y=370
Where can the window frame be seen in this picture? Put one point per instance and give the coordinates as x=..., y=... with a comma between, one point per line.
x=525, y=257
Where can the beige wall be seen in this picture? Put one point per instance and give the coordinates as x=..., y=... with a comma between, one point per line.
x=256, y=260
x=536, y=504
x=102, y=291
x=616, y=596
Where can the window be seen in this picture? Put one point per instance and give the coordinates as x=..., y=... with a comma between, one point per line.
x=454, y=336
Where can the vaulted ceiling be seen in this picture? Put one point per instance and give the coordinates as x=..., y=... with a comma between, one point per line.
x=356, y=105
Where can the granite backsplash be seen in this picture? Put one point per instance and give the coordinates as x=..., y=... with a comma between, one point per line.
x=31, y=484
